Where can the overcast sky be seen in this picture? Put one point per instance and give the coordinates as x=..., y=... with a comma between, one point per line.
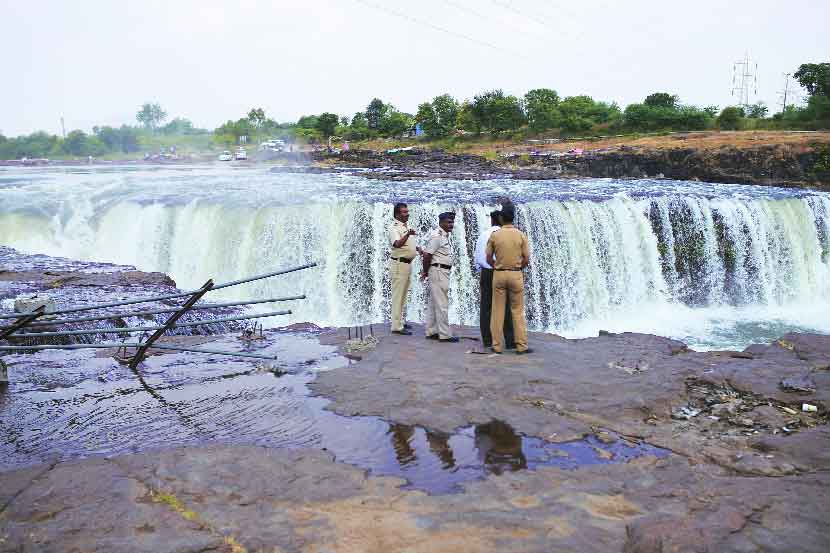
x=94, y=62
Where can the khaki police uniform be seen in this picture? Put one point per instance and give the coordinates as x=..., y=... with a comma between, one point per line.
x=509, y=246
x=400, y=269
x=443, y=258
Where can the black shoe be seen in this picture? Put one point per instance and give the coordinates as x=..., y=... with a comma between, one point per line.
x=404, y=332
x=524, y=352
x=452, y=340
x=510, y=346
x=407, y=326
x=432, y=337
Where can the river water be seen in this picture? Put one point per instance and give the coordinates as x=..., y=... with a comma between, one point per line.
x=718, y=266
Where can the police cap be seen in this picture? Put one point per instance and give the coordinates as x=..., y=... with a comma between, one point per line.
x=446, y=215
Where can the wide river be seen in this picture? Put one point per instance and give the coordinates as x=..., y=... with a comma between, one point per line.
x=718, y=266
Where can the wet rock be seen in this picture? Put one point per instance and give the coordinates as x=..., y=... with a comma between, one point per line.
x=778, y=165
x=799, y=384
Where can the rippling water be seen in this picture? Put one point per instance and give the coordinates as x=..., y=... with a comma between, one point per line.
x=68, y=405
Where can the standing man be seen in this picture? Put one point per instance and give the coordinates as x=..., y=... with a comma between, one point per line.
x=486, y=287
x=400, y=265
x=508, y=253
x=438, y=259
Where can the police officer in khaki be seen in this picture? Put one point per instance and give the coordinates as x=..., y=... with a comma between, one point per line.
x=400, y=265
x=508, y=254
x=438, y=259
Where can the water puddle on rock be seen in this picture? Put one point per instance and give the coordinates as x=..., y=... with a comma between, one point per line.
x=68, y=405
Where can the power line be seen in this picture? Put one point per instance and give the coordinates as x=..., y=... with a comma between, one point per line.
x=474, y=13
x=543, y=22
x=438, y=28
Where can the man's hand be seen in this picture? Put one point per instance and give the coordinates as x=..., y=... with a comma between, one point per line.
x=424, y=276
x=412, y=233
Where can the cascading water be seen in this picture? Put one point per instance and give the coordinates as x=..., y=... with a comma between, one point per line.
x=605, y=254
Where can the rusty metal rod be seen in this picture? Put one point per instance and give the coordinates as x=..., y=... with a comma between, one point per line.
x=128, y=329
x=171, y=296
x=140, y=352
x=118, y=344
x=158, y=311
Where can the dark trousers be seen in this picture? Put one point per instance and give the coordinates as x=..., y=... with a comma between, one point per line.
x=485, y=310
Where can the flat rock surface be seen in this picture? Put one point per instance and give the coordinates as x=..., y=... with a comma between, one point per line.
x=735, y=481
x=238, y=498
x=708, y=406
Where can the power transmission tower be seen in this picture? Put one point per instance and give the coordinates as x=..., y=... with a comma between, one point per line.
x=784, y=92
x=63, y=128
x=744, y=79
x=787, y=94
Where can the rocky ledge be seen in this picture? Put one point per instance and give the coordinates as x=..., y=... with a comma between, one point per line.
x=778, y=165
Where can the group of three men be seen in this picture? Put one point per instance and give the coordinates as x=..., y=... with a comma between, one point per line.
x=501, y=255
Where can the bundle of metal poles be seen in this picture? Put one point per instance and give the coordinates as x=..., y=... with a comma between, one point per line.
x=24, y=321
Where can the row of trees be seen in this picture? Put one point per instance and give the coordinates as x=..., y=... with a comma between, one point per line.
x=39, y=144
x=542, y=110
x=104, y=140
x=539, y=111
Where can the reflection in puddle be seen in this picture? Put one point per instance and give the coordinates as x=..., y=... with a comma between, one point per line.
x=437, y=462
x=73, y=404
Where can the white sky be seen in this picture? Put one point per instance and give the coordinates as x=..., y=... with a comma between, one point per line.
x=95, y=61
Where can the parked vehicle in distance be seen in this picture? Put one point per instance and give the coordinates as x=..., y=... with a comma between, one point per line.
x=241, y=154
x=273, y=145
x=225, y=156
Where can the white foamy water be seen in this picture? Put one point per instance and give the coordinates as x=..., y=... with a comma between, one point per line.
x=714, y=265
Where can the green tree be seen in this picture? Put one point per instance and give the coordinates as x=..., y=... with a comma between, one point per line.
x=256, y=117
x=467, y=119
x=129, y=139
x=757, y=111
x=307, y=122
x=327, y=124
x=815, y=77
x=76, y=143
x=359, y=128
x=438, y=118
x=497, y=112
x=178, y=126
x=661, y=100
x=583, y=110
x=151, y=115
x=542, y=108
x=395, y=123
x=376, y=111
x=731, y=118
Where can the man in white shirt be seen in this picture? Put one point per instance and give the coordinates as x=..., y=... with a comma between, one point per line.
x=486, y=282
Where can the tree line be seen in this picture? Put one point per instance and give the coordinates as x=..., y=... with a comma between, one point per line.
x=540, y=112
x=103, y=140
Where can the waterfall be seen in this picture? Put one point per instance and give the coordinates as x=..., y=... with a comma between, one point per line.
x=590, y=259
x=683, y=259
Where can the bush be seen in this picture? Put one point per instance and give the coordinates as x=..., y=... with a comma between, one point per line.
x=731, y=119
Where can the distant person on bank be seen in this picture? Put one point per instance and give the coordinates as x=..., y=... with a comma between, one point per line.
x=486, y=287
x=438, y=259
x=400, y=265
x=508, y=254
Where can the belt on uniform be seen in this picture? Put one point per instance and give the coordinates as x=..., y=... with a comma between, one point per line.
x=447, y=267
x=402, y=259
x=507, y=269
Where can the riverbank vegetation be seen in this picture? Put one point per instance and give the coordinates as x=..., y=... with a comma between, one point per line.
x=443, y=121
